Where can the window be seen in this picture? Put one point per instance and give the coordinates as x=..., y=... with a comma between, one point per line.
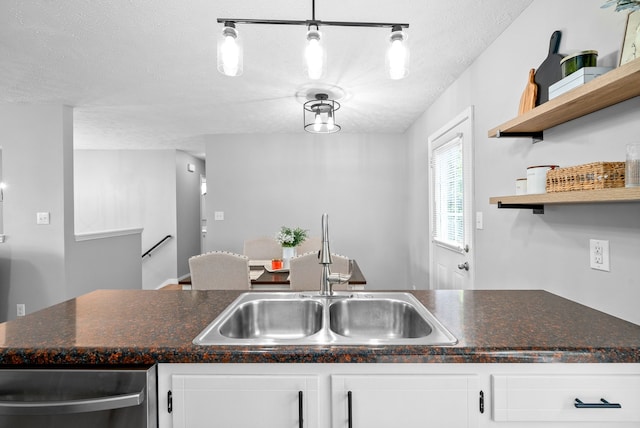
x=448, y=203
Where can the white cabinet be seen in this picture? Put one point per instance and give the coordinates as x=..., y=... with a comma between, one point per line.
x=201, y=400
x=398, y=395
x=370, y=401
x=566, y=398
x=267, y=395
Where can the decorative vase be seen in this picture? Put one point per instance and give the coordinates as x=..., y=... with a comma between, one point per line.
x=287, y=254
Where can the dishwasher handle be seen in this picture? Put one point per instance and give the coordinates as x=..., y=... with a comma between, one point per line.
x=71, y=406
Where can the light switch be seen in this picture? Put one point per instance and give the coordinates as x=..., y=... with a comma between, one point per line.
x=218, y=215
x=42, y=218
x=479, y=221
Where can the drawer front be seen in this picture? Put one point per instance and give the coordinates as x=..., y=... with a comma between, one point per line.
x=552, y=398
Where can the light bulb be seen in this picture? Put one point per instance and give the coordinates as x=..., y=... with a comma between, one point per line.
x=229, y=51
x=230, y=56
x=330, y=122
x=317, y=123
x=398, y=54
x=314, y=55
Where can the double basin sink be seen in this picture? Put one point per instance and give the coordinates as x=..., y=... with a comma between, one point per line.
x=294, y=318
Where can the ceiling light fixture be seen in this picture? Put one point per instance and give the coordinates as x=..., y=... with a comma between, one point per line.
x=320, y=115
x=397, y=59
x=230, y=48
x=230, y=51
x=314, y=54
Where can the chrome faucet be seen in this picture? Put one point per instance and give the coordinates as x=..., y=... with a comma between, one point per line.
x=328, y=278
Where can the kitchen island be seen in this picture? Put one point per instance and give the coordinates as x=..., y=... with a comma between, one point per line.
x=146, y=327
x=505, y=340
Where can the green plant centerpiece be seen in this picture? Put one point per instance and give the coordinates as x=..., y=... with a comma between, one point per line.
x=291, y=237
x=621, y=5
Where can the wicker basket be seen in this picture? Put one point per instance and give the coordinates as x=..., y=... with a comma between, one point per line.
x=597, y=175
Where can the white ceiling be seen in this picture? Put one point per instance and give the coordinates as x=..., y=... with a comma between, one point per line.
x=141, y=74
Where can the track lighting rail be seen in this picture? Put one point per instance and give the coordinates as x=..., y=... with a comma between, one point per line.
x=312, y=22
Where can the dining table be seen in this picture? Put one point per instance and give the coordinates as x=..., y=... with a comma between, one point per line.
x=264, y=278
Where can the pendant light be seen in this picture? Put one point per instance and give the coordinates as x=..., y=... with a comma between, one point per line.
x=320, y=115
x=397, y=59
x=314, y=54
x=229, y=51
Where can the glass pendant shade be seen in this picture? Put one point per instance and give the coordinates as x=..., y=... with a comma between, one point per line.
x=397, y=58
x=229, y=51
x=320, y=115
x=314, y=55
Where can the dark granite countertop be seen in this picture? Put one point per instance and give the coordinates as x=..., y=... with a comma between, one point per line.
x=145, y=327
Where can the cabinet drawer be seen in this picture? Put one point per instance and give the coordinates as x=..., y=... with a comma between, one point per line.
x=549, y=398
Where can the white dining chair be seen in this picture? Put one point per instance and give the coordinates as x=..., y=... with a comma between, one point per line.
x=306, y=273
x=311, y=244
x=263, y=248
x=219, y=270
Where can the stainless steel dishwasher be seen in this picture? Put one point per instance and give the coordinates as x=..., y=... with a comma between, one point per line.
x=123, y=398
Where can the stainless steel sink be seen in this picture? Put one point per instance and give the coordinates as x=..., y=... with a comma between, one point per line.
x=379, y=318
x=284, y=319
x=309, y=319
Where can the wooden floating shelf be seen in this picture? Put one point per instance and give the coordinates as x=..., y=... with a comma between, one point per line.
x=619, y=194
x=617, y=85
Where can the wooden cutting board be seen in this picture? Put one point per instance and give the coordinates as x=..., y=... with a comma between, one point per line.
x=528, y=99
x=549, y=71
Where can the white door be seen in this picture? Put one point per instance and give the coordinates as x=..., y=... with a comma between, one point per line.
x=240, y=401
x=451, y=204
x=408, y=401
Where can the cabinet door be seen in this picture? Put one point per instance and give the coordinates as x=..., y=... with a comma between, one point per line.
x=244, y=401
x=552, y=398
x=371, y=401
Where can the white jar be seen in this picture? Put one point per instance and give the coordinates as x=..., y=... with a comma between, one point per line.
x=537, y=178
x=521, y=186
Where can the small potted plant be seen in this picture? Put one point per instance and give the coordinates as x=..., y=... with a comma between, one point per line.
x=290, y=238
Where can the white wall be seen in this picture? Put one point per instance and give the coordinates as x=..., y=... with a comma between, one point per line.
x=41, y=265
x=121, y=189
x=34, y=151
x=148, y=189
x=517, y=249
x=262, y=182
x=105, y=263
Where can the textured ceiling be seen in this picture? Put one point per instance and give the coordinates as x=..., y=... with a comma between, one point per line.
x=141, y=74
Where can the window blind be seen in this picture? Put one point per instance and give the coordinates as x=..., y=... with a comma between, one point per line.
x=448, y=227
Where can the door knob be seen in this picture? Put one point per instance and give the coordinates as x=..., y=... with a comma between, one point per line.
x=464, y=266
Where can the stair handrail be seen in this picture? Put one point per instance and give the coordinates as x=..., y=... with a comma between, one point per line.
x=162, y=241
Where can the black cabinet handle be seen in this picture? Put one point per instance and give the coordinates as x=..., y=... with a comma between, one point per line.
x=604, y=404
x=350, y=408
x=300, y=410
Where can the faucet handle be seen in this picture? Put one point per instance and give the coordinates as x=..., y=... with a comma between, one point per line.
x=341, y=278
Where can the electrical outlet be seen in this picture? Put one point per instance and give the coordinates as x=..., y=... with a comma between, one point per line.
x=20, y=309
x=599, y=254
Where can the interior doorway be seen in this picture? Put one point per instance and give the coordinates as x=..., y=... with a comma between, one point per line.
x=203, y=213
